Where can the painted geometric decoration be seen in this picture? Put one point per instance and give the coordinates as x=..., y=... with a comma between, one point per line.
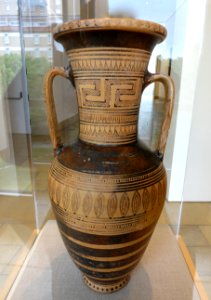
x=58, y=194
x=87, y=203
x=75, y=201
x=98, y=205
x=160, y=193
x=136, y=202
x=146, y=199
x=124, y=204
x=66, y=199
x=107, y=206
x=154, y=196
x=112, y=205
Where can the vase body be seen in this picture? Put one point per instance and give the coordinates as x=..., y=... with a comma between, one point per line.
x=107, y=190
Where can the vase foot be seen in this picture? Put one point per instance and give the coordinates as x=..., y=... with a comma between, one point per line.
x=106, y=288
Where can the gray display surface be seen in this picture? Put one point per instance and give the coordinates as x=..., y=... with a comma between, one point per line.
x=50, y=274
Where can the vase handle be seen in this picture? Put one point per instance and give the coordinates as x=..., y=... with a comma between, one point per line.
x=50, y=105
x=169, y=99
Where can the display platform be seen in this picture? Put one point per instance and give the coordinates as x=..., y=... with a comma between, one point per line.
x=50, y=274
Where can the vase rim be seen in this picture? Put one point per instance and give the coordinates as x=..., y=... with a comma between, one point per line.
x=126, y=24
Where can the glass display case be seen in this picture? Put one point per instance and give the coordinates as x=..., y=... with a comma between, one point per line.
x=27, y=51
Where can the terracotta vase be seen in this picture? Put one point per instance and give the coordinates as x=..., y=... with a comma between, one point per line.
x=107, y=189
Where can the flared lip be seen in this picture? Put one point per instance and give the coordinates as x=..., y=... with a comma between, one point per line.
x=126, y=24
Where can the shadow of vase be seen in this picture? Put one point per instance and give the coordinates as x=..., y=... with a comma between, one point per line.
x=67, y=283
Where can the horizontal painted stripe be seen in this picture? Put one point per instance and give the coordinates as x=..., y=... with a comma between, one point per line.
x=105, y=239
x=106, y=73
x=108, y=49
x=104, y=252
x=106, y=270
x=108, y=246
x=106, y=275
x=58, y=172
x=112, y=280
x=108, y=264
x=108, y=259
x=95, y=183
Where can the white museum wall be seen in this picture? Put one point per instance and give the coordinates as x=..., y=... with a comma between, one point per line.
x=198, y=168
x=179, y=32
x=176, y=25
x=187, y=164
x=186, y=102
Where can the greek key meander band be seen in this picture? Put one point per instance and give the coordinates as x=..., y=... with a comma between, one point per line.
x=108, y=82
x=114, y=96
x=109, y=93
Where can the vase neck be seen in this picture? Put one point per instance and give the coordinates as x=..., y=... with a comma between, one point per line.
x=108, y=84
x=108, y=127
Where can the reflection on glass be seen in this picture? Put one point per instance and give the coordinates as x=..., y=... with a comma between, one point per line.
x=27, y=52
x=15, y=176
x=17, y=213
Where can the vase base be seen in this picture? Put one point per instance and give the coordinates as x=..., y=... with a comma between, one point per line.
x=106, y=288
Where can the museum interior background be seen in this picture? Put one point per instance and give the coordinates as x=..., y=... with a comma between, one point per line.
x=27, y=51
